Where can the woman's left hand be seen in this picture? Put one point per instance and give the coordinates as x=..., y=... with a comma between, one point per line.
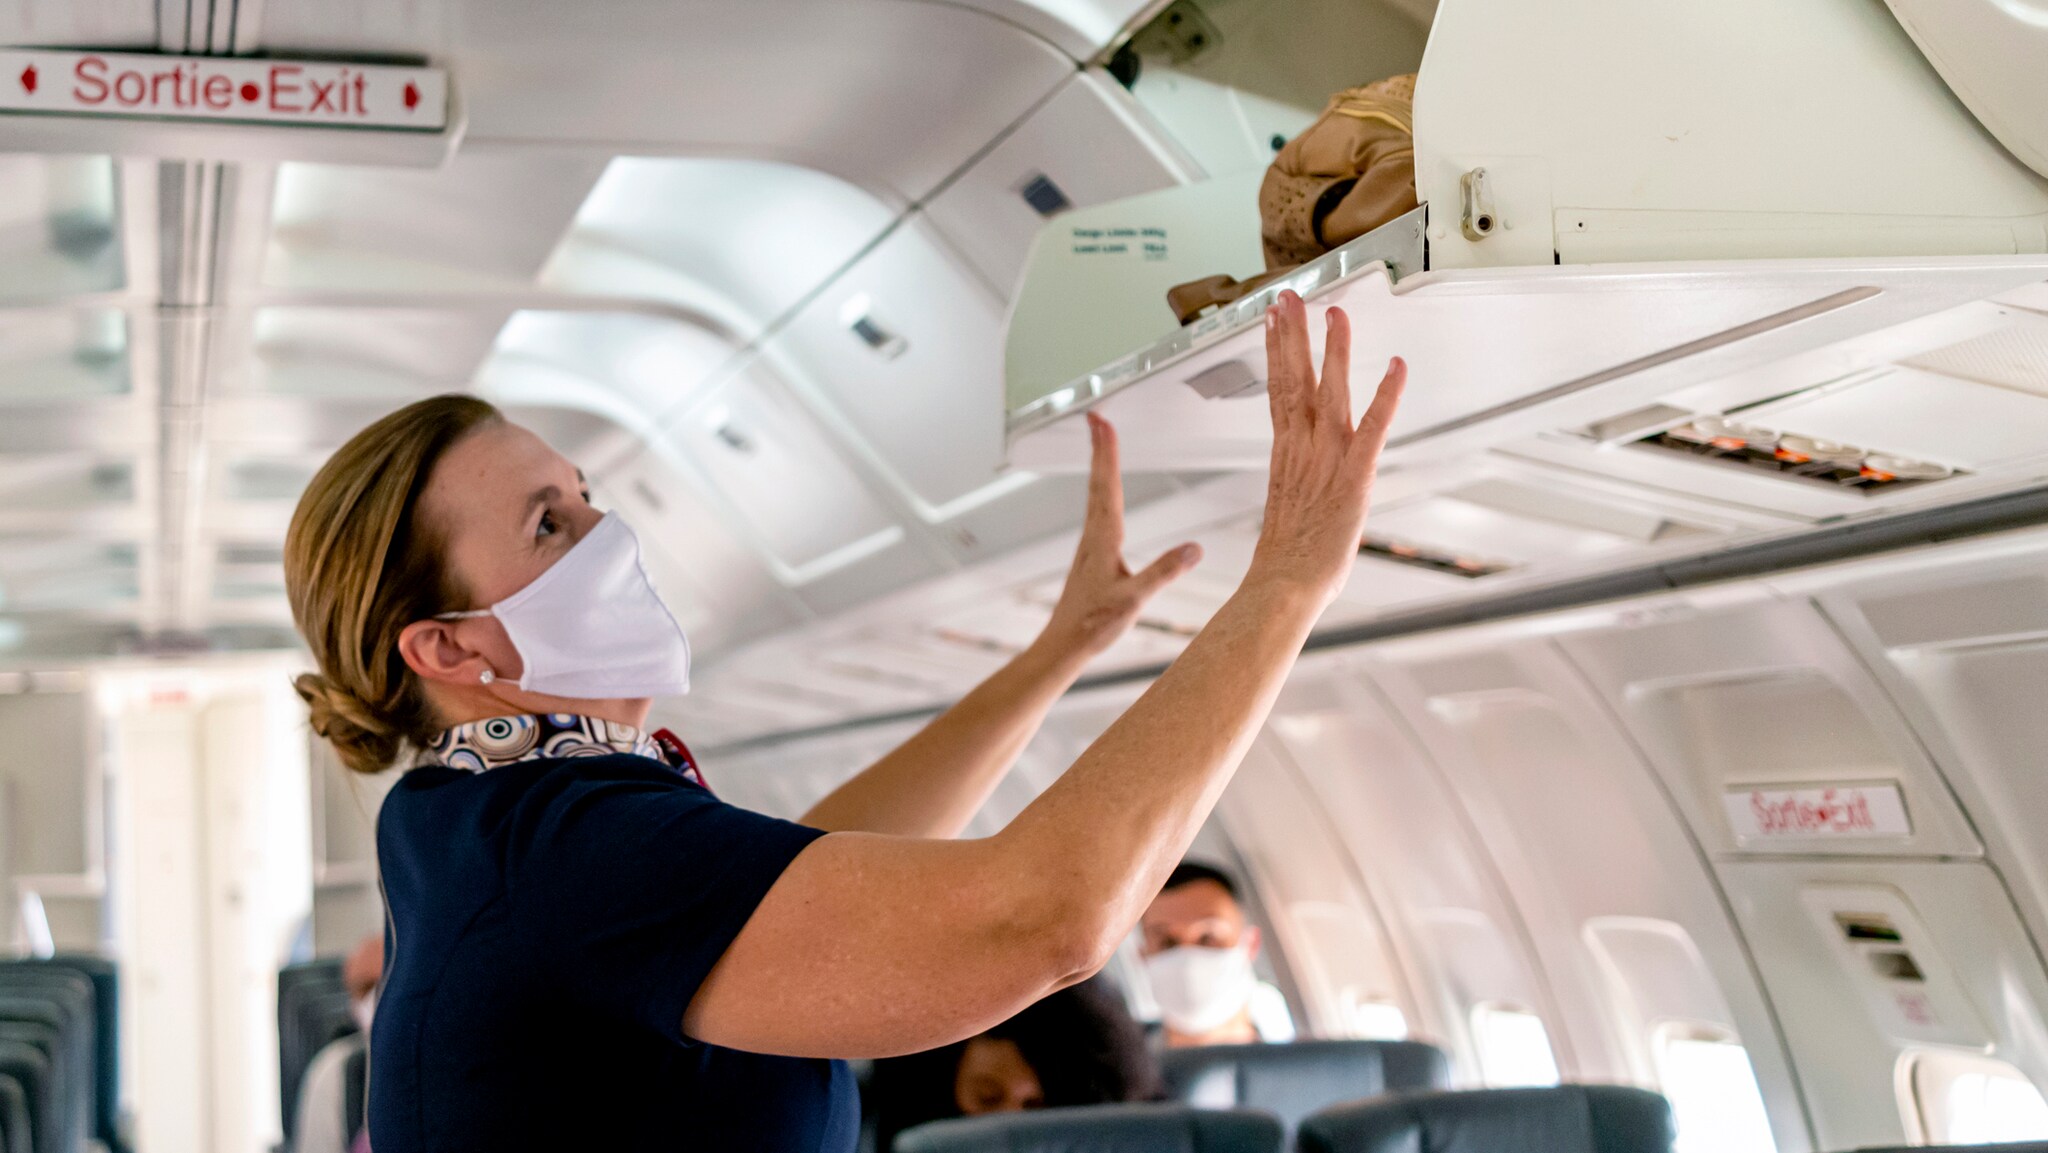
x=1103, y=597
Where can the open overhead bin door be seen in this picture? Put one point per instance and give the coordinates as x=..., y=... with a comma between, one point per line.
x=1858, y=194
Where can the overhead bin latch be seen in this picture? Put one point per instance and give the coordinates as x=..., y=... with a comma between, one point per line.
x=1480, y=220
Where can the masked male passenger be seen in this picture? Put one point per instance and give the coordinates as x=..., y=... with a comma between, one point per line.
x=1198, y=953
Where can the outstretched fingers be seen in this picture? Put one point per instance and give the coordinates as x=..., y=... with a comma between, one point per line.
x=1290, y=369
x=1103, y=527
x=1171, y=564
x=1333, y=398
x=1386, y=401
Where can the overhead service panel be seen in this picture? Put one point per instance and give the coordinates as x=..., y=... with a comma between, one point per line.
x=1619, y=205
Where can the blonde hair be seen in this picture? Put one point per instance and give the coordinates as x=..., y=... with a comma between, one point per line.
x=359, y=566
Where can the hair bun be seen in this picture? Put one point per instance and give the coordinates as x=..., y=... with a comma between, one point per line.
x=364, y=743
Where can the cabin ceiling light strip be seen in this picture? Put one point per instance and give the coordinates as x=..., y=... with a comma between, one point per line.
x=1725, y=337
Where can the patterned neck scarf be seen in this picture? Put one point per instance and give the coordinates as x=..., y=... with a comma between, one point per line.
x=496, y=741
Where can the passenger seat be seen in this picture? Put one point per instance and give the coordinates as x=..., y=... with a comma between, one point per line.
x=1566, y=1119
x=1296, y=1079
x=2003, y=1147
x=1100, y=1129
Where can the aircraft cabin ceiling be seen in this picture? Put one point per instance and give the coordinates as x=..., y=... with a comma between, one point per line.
x=631, y=246
x=753, y=265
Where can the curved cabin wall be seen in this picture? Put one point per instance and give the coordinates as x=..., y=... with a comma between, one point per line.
x=1535, y=814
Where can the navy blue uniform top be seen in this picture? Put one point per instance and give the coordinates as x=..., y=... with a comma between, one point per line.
x=550, y=921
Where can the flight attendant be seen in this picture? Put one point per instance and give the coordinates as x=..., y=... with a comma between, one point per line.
x=587, y=949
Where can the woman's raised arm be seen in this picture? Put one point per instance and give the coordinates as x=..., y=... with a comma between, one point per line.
x=935, y=782
x=874, y=945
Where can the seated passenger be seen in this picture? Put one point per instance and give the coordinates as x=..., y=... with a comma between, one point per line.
x=323, y=1123
x=1078, y=1046
x=1198, y=953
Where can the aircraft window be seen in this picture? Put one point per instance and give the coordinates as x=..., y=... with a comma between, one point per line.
x=1374, y=1020
x=1969, y=1099
x=1514, y=1047
x=1706, y=1075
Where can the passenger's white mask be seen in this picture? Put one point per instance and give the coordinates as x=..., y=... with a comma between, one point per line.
x=592, y=627
x=1201, y=989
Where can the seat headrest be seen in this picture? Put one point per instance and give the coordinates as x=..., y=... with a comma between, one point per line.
x=1100, y=1129
x=1566, y=1119
x=2003, y=1147
x=1295, y=1080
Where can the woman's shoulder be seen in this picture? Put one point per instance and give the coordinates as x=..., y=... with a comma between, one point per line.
x=430, y=788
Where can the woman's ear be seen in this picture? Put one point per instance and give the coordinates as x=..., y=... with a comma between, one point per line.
x=1251, y=941
x=432, y=650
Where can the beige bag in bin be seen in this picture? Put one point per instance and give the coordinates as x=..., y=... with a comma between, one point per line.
x=1348, y=173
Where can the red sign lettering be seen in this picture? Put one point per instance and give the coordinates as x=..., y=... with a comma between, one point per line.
x=227, y=88
x=1795, y=816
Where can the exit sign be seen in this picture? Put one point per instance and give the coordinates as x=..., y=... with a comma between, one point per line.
x=316, y=93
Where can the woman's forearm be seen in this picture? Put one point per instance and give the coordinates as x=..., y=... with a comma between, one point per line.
x=935, y=782
x=1117, y=822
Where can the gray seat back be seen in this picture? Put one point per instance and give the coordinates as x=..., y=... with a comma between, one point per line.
x=1294, y=1080
x=53, y=1012
x=2002, y=1147
x=14, y=1127
x=106, y=1057
x=1565, y=1119
x=26, y=1066
x=312, y=1010
x=1100, y=1129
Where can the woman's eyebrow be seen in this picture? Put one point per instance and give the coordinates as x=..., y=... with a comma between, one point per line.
x=542, y=497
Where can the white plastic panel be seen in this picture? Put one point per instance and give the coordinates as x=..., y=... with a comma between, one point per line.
x=927, y=401
x=761, y=452
x=401, y=354
x=1990, y=53
x=1981, y=982
x=62, y=23
x=58, y=230
x=1592, y=850
x=1748, y=691
x=754, y=238
x=842, y=86
x=455, y=228
x=635, y=369
x=1460, y=942
x=1957, y=637
x=1322, y=920
x=1923, y=416
x=1087, y=141
x=1611, y=133
x=55, y=356
x=1566, y=347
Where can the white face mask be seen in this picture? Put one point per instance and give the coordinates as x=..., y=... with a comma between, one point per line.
x=1199, y=989
x=592, y=627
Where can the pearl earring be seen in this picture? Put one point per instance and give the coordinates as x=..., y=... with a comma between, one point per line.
x=487, y=676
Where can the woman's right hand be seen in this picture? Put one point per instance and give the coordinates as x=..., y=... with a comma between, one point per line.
x=1322, y=466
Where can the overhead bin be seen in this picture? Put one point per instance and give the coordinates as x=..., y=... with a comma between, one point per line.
x=896, y=346
x=1627, y=154
x=1088, y=144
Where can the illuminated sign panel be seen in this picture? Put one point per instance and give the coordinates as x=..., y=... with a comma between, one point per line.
x=1816, y=812
x=324, y=93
